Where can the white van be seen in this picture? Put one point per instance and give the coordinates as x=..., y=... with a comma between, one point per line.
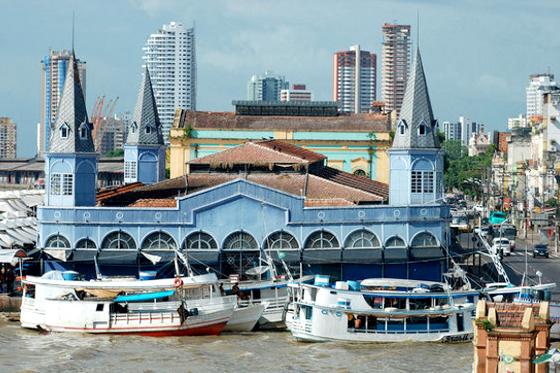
x=501, y=244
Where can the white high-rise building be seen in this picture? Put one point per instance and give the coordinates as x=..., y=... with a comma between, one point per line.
x=539, y=84
x=355, y=79
x=170, y=57
x=452, y=130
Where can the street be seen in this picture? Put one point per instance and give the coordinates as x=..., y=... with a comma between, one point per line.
x=519, y=262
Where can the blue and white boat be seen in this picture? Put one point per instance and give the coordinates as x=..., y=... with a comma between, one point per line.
x=381, y=310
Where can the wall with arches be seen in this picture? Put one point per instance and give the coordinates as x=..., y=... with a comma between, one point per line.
x=261, y=212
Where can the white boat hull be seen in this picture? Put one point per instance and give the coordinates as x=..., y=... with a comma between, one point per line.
x=244, y=319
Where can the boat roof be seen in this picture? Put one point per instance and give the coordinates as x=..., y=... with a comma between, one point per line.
x=516, y=289
x=166, y=283
x=399, y=283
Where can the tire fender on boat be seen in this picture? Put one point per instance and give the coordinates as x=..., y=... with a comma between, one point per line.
x=177, y=282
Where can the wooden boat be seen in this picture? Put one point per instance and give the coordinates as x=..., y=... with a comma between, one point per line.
x=167, y=307
x=382, y=310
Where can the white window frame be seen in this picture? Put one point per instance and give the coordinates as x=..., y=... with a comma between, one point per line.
x=130, y=170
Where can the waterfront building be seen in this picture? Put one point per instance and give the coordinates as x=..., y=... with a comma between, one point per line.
x=355, y=143
x=264, y=197
x=54, y=67
x=395, y=64
x=298, y=92
x=8, y=143
x=266, y=87
x=539, y=84
x=144, y=151
x=355, y=80
x=170, y=56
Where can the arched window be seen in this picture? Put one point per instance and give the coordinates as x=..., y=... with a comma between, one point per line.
x=64, y=130
x=401, y=127
x=395, y=241
x=85, y=243
x=159, y=241
x=83, y=131
x=240, y=241
x=118, y=240
x=57, y=242
x=360, y=172
x=424, y=240
x=362, y=239
x=321, y=240
x=281, y=240
x=148, y=129
x=133, y=127
x=199, y=241
x=422, y=129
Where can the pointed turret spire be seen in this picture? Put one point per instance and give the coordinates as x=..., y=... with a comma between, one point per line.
x=416, y=127
x=71, y=131
x=145, y=128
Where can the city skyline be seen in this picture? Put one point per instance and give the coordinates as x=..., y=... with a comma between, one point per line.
x=477, y=71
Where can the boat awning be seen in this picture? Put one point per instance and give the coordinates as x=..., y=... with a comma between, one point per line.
x=144, y=297
x=11, y=256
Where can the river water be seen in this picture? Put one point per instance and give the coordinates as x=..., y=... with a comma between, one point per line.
x=28, y=351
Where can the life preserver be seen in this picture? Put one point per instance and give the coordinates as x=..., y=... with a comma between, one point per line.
x=178, y=282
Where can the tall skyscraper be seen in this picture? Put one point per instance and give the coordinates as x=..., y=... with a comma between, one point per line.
x=266, y=87
x=539, y=84
x=8, y=131
x=169, y=55
x=355, y=79
x=54, y=66
x=395, y=64
x=452, y=130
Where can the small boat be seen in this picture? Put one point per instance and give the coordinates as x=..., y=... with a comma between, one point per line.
x=381, y=310
x=507, y=292
x=167, y=307
x=245, y=318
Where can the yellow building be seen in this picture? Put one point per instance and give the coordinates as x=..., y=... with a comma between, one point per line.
x=354, y=143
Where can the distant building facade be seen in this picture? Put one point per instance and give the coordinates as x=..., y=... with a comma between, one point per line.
x=395, y=64
x=539, y=84
x=298, y=92
x=170, y=56
x=8, y=138
x=111, y=134
x=54, y=66
x=266, y=87
x=479, y=143
x=355, y=80
x=517, y=122
x=354, y=143
x=452, y=131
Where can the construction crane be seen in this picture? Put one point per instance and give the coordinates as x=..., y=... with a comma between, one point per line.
x=102, y=113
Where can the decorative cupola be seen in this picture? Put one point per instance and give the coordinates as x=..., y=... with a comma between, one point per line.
x=71, y=161
x=144, y=151
x=416, y=156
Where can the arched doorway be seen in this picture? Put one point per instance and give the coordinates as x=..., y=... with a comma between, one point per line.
x=240, y=252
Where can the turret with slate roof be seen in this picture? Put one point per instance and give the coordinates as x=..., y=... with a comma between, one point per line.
x=144, y=151
x=416, y=157
x=71, y=161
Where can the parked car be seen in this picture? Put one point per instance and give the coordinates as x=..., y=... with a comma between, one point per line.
x=501, y=245
x=540, y=249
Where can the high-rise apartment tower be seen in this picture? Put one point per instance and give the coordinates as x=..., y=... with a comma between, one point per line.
x=8, y=131
x=395, y=64
x=169, y=55
x=266, y=87
x=354, y=79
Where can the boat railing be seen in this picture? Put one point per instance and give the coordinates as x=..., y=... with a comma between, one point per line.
x=161, y=317
x=407, y=331
x=271, y=303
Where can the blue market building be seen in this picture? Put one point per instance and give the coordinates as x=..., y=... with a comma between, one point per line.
x=262, y=198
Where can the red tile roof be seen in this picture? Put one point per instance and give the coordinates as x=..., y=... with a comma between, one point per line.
x=108, y=193
x=366, y=122
x=358, y=182
x=258, y=153
x=154, y=202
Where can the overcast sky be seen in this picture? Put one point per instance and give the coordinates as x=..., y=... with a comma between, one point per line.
x=477, y=56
